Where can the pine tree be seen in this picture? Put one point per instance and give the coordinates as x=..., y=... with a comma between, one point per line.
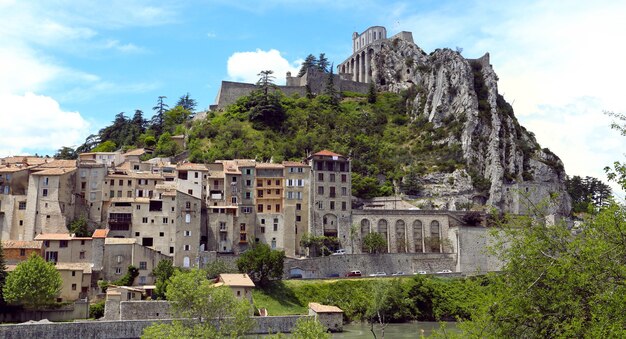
x=310, y=61
x=322, y=63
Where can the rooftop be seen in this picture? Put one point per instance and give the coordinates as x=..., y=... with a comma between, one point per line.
x=120, y=241
x=74, y=266
x=100, y=233
x=237, y=279
x=22, y=244
x=136, y=151
x=319, y=308
x=328, y=153
x=59, y=236
x=55, y=171
x=190, y=166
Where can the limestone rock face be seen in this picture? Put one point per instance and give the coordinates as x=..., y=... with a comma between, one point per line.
x=502, y=157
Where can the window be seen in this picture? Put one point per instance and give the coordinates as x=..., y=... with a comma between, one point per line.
x=195, y=174
x=259, y=193
x=344, y=191
x=143, y=265
x=46, y=243
x=262, y=221
x=298, y=207
x=332, y=177
x=144, y=220
x=22, y=252
x=332, y=205
x=186, y=247
x=259, y=208
x=248, y=183
x=234, y=200
x=242, y=227
x=320, y=176
x=298, y=218
x=289, y=195
x=165, y=220
x=138, y=207
x=344, y=177
x=187, y=218
x=190, y=192
x=277, y=191
x=246, y=209
x=129, y=182
x=83, y=185
x=21, y=222
x=320, y=190
x=73, y=285
x=248, y=171
x=269, y=182
x=22, y=205
x=73, y=273
x=92, y=196
x=63, y=243
x=187, y=233
x=248, y=196
x=259, y=183
x=142, y=280
x=278, y=182
x=161, y=234
x=275, y=227
x=129, y=194
x=262, y=229
x=234, y=179
x=332, y=192
x=277, y=208
x=188, y=204
x=343, y=205
x=81, y=255
x=289, y=182
x=118, y=270
x=52, y=256
x=222, y=226
x=121, y=182
x=320, y=205
x=136, y=234
x=171, y=250
x=45, y=181
x=119, y=194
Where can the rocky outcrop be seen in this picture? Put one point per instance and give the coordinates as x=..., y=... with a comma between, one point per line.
x=501, y=157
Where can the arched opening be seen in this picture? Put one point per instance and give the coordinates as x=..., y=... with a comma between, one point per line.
x=418, y=237
x=435, y=237
x=382, y=229
x=330, y=225
x=186, y=262
x=400, y=236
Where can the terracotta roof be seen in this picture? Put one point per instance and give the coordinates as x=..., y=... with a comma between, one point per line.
x=268, y=165
x=74, y=266
x=192, y=166
x=294, y=164
x=55, y=171
x=136, y=151
x=19, y=159
x=13, y=169
x=100, y=233
x=125, y=166
x=231, y=167
x=54, y=236
x=22, y=244
x=238, y=279
x=319, y=308
x=245, y=162
x=328, y=153
x=59, y=164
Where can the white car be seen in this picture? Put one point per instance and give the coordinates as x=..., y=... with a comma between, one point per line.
x=420, y=272
x=445, y=271
x=398, y=273
x=378, y=274
x=339, y=252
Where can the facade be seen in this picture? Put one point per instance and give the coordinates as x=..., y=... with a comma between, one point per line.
x=66, y=247
x=269, y=205
x=76, y=279
x=240, y=284
x=16, y=251
x=297, y=205
x=331, y=198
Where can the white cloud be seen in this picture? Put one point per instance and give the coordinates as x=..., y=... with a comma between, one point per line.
x=37, y=123
x=245, y=66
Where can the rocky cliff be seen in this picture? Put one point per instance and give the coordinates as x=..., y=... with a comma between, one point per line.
x=502, y=157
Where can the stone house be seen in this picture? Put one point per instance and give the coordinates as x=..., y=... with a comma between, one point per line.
x=296, y=207
x=119, y=253
x=16, y=251
x=270, y=223
x=239, y=283
x=76, y=279
x=13, y=188
x=66, y=247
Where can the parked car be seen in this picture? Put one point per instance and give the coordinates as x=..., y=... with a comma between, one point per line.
x=398, y=273
x=378, y=274
x=339, y=252
x=355, y=273
x=445, y=271
x=333, y=275
x=420, y=272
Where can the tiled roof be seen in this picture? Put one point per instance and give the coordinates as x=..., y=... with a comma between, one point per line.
x=136, y=151
x=13, y=169
x=22, y=244
x=54, y=236
x=269, y=165
x=100, y=233
x=59, y=164
x=319, y=308
x=245, y=162
x=328, y=153
x=192, y=166
x=119, y=241
x=238, y=279
x=74, y=266
x=55, y=171
x=294, y=164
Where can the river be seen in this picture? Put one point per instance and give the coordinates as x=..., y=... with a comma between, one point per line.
x=395, y=331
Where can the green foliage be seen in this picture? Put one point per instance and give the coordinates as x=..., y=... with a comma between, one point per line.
x=162, y=273
x=106, y=146
x=319, y=245
x=96, y=310
x=587, y=193
x=309, y=61
x=80, y=227
x=166, y=147
x=371, y=94
x=214, y=269
x=217, y=313
x=557, y=283
x=261, y=263
x=129, y=278
x=472, y=218
x=309, y=328
x=375, y=243
x=33, y=283
x=175, y=117
x=66, y=153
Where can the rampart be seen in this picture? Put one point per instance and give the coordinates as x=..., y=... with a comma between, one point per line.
x=77, y=310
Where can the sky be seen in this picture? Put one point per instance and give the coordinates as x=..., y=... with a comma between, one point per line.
x=67, y=67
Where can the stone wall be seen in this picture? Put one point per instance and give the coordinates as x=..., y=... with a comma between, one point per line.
x=78, y=310
x=124, y=329
x=145, y=309
x=370, y=263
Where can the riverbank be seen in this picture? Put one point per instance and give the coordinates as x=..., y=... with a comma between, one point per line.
x=421, y=298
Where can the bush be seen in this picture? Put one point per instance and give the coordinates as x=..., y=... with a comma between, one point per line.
x=96, y=310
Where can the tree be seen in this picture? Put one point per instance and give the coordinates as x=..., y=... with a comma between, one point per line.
x=66, y=153
x=79, y=227
x=557, y=283
x=166, y=147
x=309, y=328
x=261, y=263
x=202, y=310
x=162, y=273
x=156, y=123
x=323, y=64
x=310, y=61
x=107, y=146
x=371, y=93
x=33, y=283
x=176, y=116
x=214, y=269
x=187, y=103
x=129, y=278
x=375, y=243
x=587, y=193
x=264, y=104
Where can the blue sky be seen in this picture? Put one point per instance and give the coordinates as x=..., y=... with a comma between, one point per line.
x=67, y=67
